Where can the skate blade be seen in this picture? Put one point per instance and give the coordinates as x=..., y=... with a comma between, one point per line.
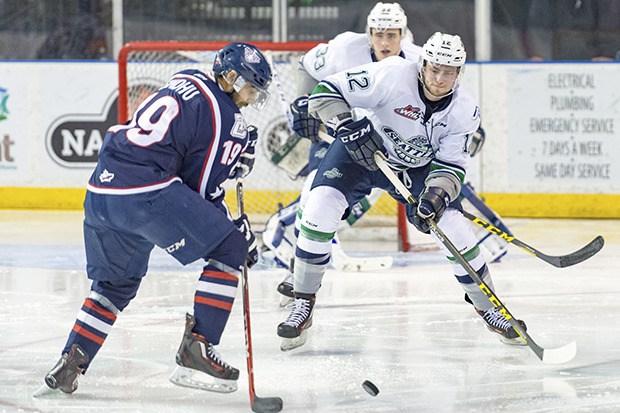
x=293, y=343
x=195, y=379
x=518, y=341
x=285, y=302
x=44, y=390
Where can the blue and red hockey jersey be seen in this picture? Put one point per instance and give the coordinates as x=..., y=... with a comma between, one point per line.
x=189, y=131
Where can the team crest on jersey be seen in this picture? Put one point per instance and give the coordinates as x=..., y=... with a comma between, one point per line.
x=239, y=128
x=251, y=55
x=409, y=112
x=414, y=151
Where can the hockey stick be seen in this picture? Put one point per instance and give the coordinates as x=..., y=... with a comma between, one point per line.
x=344, y=262
x=258, y=404
x=549, y=356
x=560, y=261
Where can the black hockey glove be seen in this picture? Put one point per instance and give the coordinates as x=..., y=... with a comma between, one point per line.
x=304, y=125
x=361, y=141
x=247, y=158
x=243, y=225
x=432, y=204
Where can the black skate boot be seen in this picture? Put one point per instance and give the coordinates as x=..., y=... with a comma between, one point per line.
x=286, y=287
x=64, y=375
x=199, y=364
x=497, y=323
x=294, y=329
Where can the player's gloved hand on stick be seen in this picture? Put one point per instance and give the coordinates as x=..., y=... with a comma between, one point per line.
x=304, y=125
x=243, y=225
x=361, y=141
x=432, y=204
x=245, y=164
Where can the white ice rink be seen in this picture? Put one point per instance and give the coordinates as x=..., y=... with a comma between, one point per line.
x=407, y=329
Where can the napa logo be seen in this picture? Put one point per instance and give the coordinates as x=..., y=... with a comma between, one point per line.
x=73, y=140
x=4, y=110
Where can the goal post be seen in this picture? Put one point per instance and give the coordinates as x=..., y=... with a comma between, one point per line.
x=143, y=67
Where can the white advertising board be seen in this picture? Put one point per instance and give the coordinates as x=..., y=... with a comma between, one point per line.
x=556, y=127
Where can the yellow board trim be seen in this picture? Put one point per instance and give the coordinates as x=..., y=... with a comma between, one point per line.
x=266, y=202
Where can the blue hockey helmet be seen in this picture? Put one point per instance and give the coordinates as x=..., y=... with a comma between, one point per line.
x=249, y=64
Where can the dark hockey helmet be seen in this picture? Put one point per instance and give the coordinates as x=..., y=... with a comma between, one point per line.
x=249, y=63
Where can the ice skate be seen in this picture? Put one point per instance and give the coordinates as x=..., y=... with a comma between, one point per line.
x=294, y=331
x=200, y=366
x=64, y=375
x=497, y=323
x=285, y=288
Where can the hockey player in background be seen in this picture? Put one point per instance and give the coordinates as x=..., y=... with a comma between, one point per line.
x=387, y=34
x=423, y=122
x=158, y=182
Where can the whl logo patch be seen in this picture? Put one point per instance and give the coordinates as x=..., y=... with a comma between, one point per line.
x=409, y=112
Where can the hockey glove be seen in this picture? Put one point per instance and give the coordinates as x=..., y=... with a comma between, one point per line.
x=245, y=164
x=477, y=142
x=243, y=225
x=304, y=125
x=432, y=204
x=361, y=141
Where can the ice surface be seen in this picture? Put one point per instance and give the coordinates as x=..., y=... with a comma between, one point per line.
x=406, y=329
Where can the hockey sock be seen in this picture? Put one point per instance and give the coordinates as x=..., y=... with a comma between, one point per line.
x=93, y=323
x=213, y=300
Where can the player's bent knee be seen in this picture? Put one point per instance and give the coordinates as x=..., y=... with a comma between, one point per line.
x=232, y=251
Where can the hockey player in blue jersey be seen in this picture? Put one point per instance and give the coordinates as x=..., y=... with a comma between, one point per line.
x=158, y=182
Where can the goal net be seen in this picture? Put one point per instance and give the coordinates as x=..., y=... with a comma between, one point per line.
x=146, y=66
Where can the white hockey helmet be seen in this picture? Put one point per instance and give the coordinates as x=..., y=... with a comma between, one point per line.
x=386, y=16
x=444, y=49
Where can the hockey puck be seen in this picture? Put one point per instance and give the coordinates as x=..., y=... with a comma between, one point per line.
x=370, y=388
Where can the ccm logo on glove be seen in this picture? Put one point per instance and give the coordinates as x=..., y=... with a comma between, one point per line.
x=355, y=135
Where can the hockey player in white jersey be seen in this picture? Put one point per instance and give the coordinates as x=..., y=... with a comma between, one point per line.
x=423, y=122
x=386, y=35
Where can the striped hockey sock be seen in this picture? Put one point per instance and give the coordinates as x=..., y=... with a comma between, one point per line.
x=92, y=326
x=213, y=300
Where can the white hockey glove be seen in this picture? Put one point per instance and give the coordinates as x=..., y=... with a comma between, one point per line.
x=361, y=141
x=245, y=164
x=431, y=204
x=243, y=224
x=304, y=125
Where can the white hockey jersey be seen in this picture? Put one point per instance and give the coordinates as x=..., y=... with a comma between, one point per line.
x=345, y=51
x=390, y=91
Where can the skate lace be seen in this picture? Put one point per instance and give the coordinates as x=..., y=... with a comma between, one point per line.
x=215, y=356
x=300, y=312
x=496, y=319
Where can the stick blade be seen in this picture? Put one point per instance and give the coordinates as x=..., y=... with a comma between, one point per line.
x=561, y=354
x=584, y=253
x=267, y=404
x=361, y=264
